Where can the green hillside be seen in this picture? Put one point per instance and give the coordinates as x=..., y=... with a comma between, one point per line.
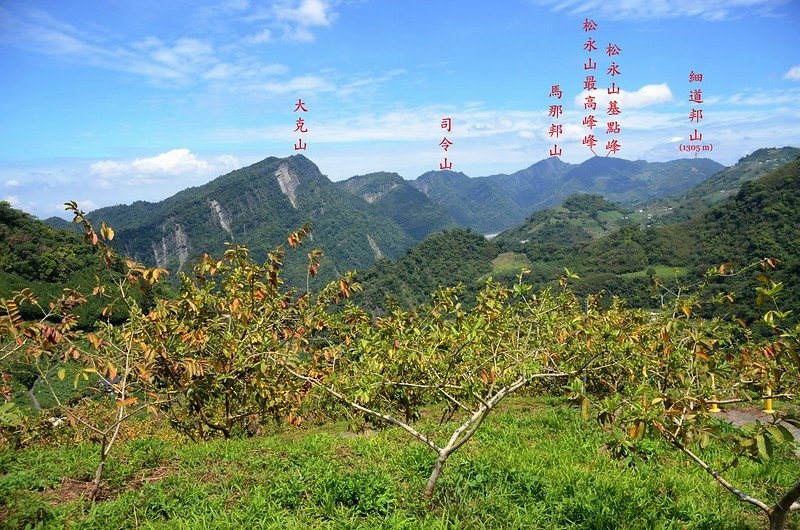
x=443, y=259
x=761, y=220
x=495, y=203
x=407, y=206
x=46, y=260
x=719, y=187
x=258, y=206
x=611, y=252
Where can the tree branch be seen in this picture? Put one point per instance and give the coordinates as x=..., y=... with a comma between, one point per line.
x=700, y=462
x=385, y=417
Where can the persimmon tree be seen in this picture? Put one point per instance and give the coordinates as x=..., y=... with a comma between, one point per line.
x=221, y=347
x=685, y=366
x=111, y=356
x=440, y=355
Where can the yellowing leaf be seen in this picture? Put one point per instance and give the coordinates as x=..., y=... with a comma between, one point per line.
x=585, y=409
x=107, y=232
x=62, y=373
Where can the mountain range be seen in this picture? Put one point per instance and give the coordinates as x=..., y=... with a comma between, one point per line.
x=373, y=222
x=369, y=217
x=617, y=254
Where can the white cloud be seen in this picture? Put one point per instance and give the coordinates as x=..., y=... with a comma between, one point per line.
x=639, y=10
x=307, y=13
x=259, y=38
x=179, y=62
x=13, y=200
x=172, y=162
x=12, y=183
x=307, y=84
x=755, y=97
x=177, y=162
x=297, y=17
x=644, y=97
x=793, y=73
x=86, y=205
x=675, y=139
x=107, y=168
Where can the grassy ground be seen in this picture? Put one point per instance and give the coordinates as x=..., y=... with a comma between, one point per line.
x=535, y=464
x=662, y=271
x=510, y=263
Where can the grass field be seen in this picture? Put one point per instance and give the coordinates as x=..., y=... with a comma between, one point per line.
x=510, y=263
x=661, y=271
x=534, y=464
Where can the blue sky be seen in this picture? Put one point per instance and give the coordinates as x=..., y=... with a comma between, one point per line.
x=115, y=101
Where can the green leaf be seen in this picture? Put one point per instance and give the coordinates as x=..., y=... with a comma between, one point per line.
x=776, y=433
x=795, y=422
x=787, y=434
x=764, y=447
x=585, y=409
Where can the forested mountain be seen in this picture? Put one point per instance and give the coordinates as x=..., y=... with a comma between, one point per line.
x=397, y=198
x=258, y=206
x=761, y=220
x=728, y=182
x=443, y=259
x=365, y=218
x=611, y=253
x=581, y=217
x=46, y=260
x=721, y=186
x=495, y=203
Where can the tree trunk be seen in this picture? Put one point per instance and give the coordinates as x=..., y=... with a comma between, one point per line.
x=779, y=513
x=777, y=520
x=99, y=471
x=34, y=401
x=437, y=470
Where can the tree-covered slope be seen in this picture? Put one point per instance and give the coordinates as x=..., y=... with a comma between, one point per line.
x=611, y=253
x=258, y=206
x=443, y=259
x=495, y=203
x=581, y=217
x=478, y=203
x=721, y=186
x=47, y=260
x=761, y=220
x=394, y=196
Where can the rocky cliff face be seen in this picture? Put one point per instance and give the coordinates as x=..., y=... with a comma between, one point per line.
x=288, y=182
x=174, y=244
x=220, y=215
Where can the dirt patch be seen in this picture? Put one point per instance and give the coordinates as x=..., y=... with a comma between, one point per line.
x=365, y=433
x=157, y=474
x=342, y=451
x=69, y=490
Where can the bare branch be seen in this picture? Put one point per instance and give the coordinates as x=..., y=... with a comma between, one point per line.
x=385, y=417
x=703, y=465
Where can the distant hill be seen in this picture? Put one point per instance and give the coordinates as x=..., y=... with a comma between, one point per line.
x=495, y=203
x=477, y=203
x=582, y=217
x=397, y=198
x=613, y=253
x=443, y=259
x=761, y=220
x=258, y=206
x=46, y=260
x=721, y=186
